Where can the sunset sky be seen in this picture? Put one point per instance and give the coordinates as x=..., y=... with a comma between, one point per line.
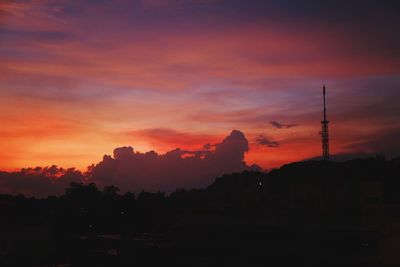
x=80, y=78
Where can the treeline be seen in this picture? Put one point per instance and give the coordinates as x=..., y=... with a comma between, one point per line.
x=298, y=189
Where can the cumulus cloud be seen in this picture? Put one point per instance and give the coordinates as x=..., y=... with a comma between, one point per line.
x=135, y=171
x=262, y=140
x=282, y=126
x=39, y=182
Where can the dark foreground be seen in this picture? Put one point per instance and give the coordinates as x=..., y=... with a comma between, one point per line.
x=304, y=214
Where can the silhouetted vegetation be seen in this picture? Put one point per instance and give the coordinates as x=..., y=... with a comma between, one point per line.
x=311, y=213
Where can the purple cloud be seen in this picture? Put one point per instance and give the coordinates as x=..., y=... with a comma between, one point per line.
x=282, y=126
x=135, y=171
x=262, y=140
x=39, y=182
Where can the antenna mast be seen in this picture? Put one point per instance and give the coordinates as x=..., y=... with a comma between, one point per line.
x=325, y=134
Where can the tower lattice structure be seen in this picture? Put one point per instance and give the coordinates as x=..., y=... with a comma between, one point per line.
x=325, y=132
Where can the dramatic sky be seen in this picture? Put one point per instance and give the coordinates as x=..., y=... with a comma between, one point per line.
x=80, y=78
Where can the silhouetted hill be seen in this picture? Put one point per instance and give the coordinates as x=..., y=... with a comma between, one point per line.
x=346, y=213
